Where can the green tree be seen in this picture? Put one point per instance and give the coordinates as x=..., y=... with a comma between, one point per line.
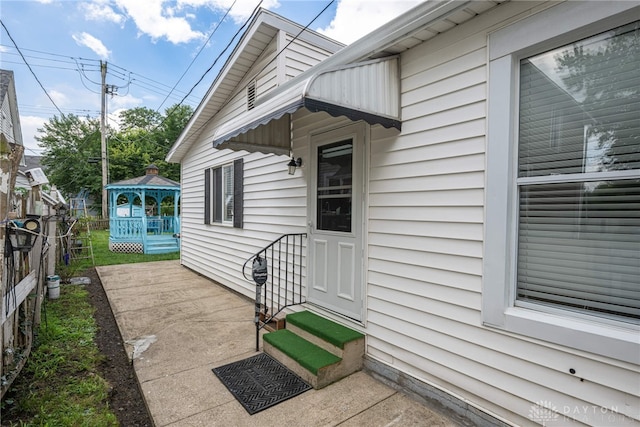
x=176, y=118
x=139, y=118
x=69, y=143
x=603, y=73
x=144, y=137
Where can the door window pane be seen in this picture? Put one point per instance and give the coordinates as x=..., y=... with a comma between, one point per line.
x=335, y=186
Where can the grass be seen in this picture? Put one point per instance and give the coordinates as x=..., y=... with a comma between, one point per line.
x=103, y=256
x=60, y=384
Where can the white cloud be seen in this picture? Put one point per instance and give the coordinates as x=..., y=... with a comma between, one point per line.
x=86, y=39
x=124, y=102
x=356, y=18
x=29, y=126
x=100, y=11
x=241, y=10
x=158, y=22
x=59, y=98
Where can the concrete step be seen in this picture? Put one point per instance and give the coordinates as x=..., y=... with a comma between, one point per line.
x=318, y=350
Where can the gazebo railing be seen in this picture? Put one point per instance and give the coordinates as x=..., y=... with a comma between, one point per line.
x=162, y=224
x=126, y=228
x=134, y=228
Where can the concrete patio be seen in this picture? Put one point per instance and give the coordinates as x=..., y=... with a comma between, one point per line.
x=179, y=325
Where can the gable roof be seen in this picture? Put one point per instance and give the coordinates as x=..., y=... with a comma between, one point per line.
x=345, y=85
x=417, y=25
x=150, y=180
x=146, y=181
x=8, y=93
x=261, y=31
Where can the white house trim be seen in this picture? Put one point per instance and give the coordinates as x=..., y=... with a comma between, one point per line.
x=553, y=27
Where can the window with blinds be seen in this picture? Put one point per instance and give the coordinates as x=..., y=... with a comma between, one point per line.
x=223, y=194
x=579, y=176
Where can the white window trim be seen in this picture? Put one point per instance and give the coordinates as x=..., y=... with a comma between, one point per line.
x=221, y=189
x=551, y=28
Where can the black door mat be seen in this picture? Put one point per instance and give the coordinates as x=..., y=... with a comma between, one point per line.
x=260, y=382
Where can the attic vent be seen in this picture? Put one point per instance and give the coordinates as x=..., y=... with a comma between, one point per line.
x=251, y=95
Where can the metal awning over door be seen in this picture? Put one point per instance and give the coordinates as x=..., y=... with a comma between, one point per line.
x=368, y=91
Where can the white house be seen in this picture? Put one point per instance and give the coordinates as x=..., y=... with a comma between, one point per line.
x=469, y=188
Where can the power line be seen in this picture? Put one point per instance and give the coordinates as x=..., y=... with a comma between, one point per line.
x=198, y=54
x=53, y=54
x=223, y=51
x=278, y=53
x=39, y=66
x=296, y=37
x=175, y=107
x=84, y=65
x=40, y=109
x=169, y=113
x=30, y=69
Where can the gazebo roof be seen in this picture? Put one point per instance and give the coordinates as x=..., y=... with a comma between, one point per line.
x=150, y=180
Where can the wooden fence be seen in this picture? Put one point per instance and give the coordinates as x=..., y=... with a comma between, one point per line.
x=99, y=224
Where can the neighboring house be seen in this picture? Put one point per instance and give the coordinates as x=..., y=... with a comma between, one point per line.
x=9, y=117
x=469, y=186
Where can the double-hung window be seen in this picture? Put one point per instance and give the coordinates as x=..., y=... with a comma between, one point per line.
x=562, y=236
x=223, y=186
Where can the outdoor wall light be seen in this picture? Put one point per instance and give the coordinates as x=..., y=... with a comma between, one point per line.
x=293, y=164
x=23, y=238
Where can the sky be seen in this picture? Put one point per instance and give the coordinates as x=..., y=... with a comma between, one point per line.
x=157, y=52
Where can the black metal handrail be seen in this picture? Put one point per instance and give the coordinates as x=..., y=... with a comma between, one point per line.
x=283, y=287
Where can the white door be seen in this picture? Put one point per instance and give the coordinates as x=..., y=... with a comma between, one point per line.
x=335, y=220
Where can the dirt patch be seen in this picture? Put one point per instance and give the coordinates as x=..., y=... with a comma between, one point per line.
x=125, y=397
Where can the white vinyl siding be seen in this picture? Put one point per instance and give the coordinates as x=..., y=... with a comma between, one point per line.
x=6, y=122
x=426, y=250
x=218, y=252
x=301, y=56
x=274, y=201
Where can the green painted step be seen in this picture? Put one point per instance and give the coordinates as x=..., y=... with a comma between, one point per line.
x=308, y=355
x=326, y=329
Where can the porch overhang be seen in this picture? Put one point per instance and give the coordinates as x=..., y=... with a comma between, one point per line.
x=368, y=91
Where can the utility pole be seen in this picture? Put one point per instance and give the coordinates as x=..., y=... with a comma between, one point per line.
x=103, y=139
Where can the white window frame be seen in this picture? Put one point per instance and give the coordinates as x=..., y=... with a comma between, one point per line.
x=219, y=190
x=553, y=27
